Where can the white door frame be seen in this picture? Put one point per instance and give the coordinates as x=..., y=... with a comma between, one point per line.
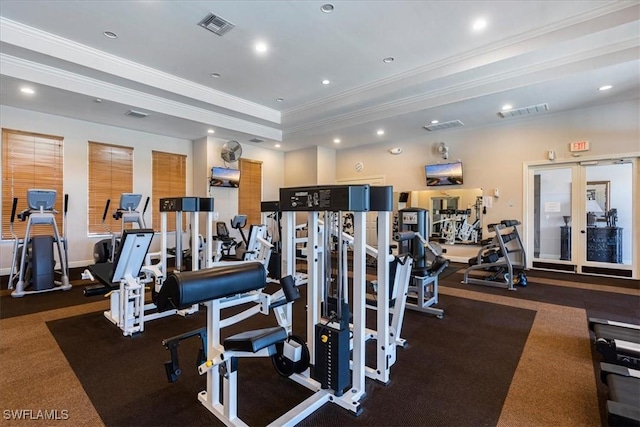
x=577, y=205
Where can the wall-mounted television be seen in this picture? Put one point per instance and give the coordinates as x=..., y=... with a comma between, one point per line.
x=444, y=174
x=224, y=177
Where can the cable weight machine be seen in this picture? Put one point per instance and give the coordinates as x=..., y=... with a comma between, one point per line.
x=335, y=329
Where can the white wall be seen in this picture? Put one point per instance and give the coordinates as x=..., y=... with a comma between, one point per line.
x=76, y=133
x=226, y=199
x=326, y=168
x=301, y=167
x=493, y=157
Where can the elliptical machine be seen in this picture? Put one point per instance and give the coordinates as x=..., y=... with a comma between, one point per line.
x=104, y=250
x=35, y=271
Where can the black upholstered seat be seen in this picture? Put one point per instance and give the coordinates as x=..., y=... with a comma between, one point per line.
x=256, y=340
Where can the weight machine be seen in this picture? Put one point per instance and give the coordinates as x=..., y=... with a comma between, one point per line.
x=336, y=347
x=393, y=279
x=218, y=288
x=35, y=272
x=503, y=255
x=428, y=260
x=126, y=279
x=336, y=331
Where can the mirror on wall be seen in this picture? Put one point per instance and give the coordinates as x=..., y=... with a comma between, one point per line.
x=455, y=215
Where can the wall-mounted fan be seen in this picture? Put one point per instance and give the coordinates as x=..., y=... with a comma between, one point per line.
x=443, y=150
x=231, y=151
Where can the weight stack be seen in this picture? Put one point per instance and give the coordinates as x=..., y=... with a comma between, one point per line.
x=332, y=356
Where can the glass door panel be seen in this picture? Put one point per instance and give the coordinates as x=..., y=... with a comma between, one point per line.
x=552, y=214
x=609, y=218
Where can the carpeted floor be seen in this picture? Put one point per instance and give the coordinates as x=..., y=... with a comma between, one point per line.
x=473, y=370
x=501, y=358
x=598, y=301
x=29, y=304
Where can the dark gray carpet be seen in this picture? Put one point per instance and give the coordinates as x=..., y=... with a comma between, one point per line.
x=609, y=305
x=455, y=371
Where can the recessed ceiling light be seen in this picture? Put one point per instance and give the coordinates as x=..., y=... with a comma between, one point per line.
x=506, y=107
x=110, y=35
x=327, y=8
x=215, y=75
x=380, y=132
x=280, y=99
x=336, y=141
x=325, y=82
x=211, y=131
x=277, y=145
x=605, y=87
x=261, y=47
x=388, y=59
x=27, y=90
x=433, y=122
x=479, y=24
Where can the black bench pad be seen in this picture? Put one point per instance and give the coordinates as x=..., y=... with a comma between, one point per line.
x=103, y=272
x=256, y=340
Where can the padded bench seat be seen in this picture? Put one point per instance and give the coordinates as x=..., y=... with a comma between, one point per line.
x=256, y=340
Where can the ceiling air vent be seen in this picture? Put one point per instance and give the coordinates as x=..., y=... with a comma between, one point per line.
x=444, y=125
x=524, y=111
x=216, y=24
x=136, y=114
x=256, y=140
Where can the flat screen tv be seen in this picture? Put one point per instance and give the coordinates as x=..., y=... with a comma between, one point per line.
x=224, y=177
x=444, y=174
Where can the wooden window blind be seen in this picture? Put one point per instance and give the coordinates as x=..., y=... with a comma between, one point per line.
x=30, y=161
x=169, y=180
x=250, y=190
x=110, y=175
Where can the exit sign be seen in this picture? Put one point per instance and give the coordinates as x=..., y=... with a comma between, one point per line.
x=579, y=146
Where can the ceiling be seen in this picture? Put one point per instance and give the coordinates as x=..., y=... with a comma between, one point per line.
x=161, y=63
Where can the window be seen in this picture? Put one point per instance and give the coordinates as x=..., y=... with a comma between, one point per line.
x=29, y=160
x=250, y=191
x=110, y=175
x=169, y=180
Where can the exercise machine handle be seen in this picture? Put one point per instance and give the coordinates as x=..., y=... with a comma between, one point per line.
x=106, y=209
x=66, y=204
x=146, y=205
x=14, y=206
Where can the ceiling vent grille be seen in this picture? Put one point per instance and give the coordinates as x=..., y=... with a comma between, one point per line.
x=524, y=111
x=216, y=24
x=445, y=125
x=256, y=140
x=136, y=114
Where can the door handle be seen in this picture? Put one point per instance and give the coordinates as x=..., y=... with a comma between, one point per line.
x=582, y=231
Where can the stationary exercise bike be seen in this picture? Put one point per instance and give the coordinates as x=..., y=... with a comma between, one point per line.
x=33, y=264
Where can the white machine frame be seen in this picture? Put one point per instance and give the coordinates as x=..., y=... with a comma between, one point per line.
x=220, y=396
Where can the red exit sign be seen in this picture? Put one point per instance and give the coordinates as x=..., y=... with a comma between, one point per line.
x=579, y=146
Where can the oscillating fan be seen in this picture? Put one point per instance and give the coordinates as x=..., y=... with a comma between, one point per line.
x=231, y=151
x=443, y=150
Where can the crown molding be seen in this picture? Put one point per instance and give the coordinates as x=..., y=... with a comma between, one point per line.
x=43, y=74
x=30, y=38
x=626, y=50
x=610, y=15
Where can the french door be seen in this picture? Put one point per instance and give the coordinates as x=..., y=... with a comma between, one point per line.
x=580, y=217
